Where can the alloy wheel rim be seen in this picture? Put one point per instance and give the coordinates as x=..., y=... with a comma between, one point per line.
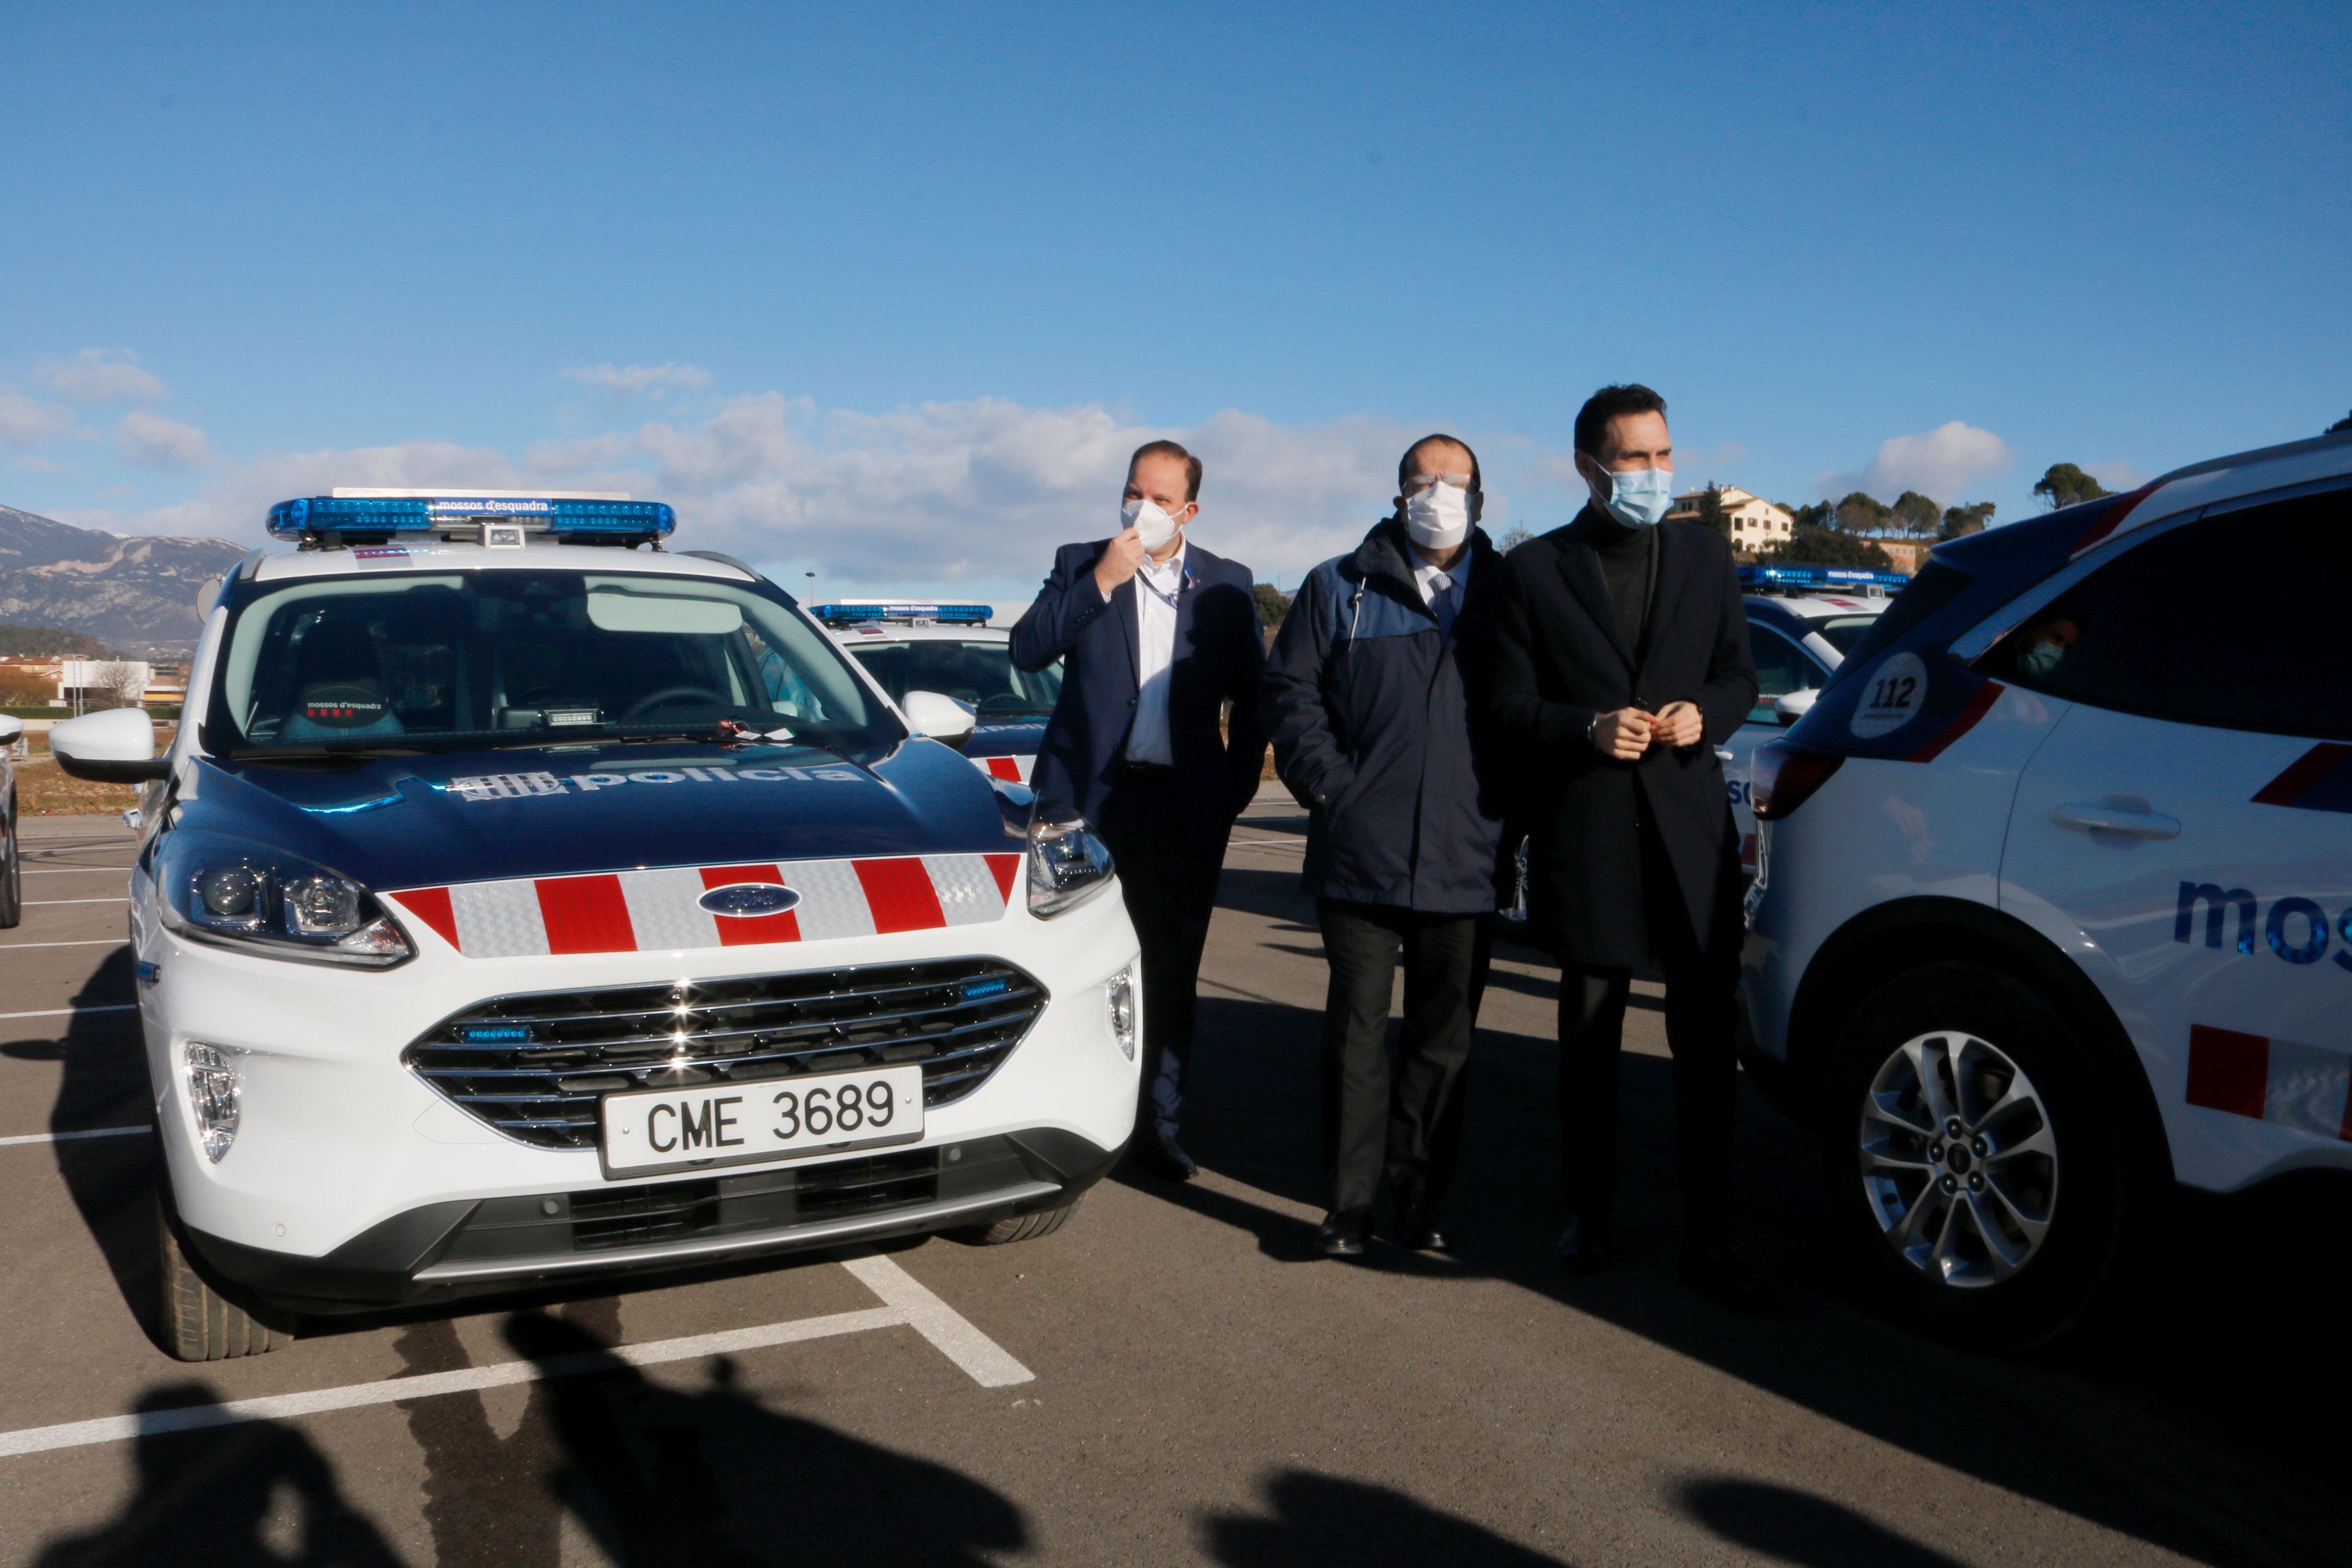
x=1958, y=1161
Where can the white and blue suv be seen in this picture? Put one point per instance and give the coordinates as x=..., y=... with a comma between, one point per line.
x=2054, y=905
x=522, y=903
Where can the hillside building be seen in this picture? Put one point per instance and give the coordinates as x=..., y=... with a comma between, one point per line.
x=1756, y=523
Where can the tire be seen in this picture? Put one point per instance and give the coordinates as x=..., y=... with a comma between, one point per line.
x=197, y=1322
x=12, y=878
x=1015, y=1227
x=2004, y=1236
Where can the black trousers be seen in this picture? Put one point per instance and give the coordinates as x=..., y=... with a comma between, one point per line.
x=1405, y=1119
x=1701, y=998
x=1171, y=885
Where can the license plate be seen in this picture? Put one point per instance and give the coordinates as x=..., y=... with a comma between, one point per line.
x=733, y=1123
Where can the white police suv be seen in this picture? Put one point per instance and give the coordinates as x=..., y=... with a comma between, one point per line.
x=1802, y=619
x=2054, y=901
x=522, y=903
x=951, y=649
x=12, y=868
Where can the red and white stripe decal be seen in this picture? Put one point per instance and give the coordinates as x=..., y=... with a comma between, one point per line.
x=1012, y=770
x=2303, y=1088
x=660, y=911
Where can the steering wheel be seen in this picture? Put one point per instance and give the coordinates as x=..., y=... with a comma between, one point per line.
x=667, y=694
x=1007, y=702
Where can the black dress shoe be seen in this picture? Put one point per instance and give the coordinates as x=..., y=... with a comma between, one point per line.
x=1156, y=1153
x=1719, y=1275
x=1343, y=1233
x=1584, y=1245
x=1424, y=1231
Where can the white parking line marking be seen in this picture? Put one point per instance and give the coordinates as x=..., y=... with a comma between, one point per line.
x=70, y=1011
x=91, y=941
x=69, y=1137
x=983, y=1358
x=909, y=1305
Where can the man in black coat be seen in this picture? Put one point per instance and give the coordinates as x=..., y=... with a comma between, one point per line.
x=1156, y=635
x=1621, y=660
x=1375, y=698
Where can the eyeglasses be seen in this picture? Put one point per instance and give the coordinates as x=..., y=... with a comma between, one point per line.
x=1423, y=481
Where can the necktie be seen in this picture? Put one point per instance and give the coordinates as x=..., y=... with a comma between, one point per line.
x=1442, y=604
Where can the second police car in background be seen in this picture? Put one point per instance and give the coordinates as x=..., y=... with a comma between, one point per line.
x=520, y=902
x=2055, y=897
x=952, y=649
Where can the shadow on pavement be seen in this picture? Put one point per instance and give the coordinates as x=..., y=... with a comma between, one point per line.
x=257, y=1495
x=1313, y=1521
x=2160, y=1426
x=104, y=1084
x=1791, y=1526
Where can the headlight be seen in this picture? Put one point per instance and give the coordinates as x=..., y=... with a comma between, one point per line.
x=1119, y=993
x=212, y=1095
x=1067, y=864
x=235, y=894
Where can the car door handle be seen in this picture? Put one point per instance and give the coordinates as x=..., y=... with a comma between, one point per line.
x=2113, y=816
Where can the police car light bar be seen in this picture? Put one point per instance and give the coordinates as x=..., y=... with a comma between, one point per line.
x=597, y=514
x=1808, y=576
x=854, y=612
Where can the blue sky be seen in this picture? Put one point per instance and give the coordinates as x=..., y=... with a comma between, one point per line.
x=888, y=291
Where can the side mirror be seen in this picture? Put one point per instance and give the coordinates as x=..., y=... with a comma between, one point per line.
x=1793, y=706
x=11, y=727
x=116, y=746
x=939, y=716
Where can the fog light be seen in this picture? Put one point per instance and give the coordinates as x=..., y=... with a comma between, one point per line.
x=1121, y=995
x=212, y=1095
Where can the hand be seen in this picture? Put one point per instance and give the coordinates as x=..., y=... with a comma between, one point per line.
x=1680, y=724
x=1119, y=562
x=1624, y=735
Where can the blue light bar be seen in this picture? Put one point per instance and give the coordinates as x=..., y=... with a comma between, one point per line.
x=419, y=515
x=951, y=615
x=1803, y=576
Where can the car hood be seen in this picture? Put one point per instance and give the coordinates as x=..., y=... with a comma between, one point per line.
x=406, y=822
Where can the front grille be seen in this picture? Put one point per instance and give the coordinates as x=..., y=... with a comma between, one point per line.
x=534, y=1067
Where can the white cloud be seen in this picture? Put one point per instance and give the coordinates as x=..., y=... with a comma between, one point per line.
x=100, y=376
x=939, y=492
x=25, y=423
x=147, y=440
x=639, y=378
x=1941, y=463
x=2117, y=476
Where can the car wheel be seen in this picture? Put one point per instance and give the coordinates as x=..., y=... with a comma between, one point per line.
x=1975, y=1156
x=12, y=877
x=199, y=1322
x=1016, y=1227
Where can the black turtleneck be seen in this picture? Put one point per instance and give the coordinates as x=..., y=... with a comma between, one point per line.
x=1628, y=563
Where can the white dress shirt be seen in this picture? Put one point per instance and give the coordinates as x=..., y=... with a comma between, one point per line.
x=1441, y=587
x=1156, y=590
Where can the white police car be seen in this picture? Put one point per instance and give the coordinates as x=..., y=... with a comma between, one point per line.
x=520, y=902
x=952, y=649
x=12, y=867
x=1802, y=619
x=2054, y=902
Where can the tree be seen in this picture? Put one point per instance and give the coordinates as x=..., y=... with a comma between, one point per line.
x=1272, y=604
x=1915, y=513
x=1814, y=545
x=2340, y=425
x=123, y=679
x=1814, y=516
x=1710, y=509
x=1960, y=520
x=1513, y=536
x=2065, y=485
x=1859, y=513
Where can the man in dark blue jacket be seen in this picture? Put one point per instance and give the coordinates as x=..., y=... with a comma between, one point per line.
x=1375, y=696
x=1156, y=635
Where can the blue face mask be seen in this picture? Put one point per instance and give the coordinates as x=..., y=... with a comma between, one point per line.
x=1638, y=498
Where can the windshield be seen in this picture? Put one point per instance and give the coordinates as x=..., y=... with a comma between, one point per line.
x=1843, y=631
x=980, y=673
x=458, y=661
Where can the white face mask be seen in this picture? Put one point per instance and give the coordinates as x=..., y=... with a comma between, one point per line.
x=1437, y=517
x=1154, y=527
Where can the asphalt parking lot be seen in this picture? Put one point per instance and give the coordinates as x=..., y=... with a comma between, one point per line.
x=1174, y=1377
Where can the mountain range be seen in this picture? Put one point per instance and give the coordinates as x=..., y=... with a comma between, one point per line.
x=136, y=592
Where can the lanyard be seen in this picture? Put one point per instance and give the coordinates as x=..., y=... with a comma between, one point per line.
x=1152, y=587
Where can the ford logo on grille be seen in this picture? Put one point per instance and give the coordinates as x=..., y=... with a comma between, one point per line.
x=745, y=900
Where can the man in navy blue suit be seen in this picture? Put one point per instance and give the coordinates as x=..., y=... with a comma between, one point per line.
x=1160, y=641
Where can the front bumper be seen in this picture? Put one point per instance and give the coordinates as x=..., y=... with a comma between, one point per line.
x=444, y=1250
